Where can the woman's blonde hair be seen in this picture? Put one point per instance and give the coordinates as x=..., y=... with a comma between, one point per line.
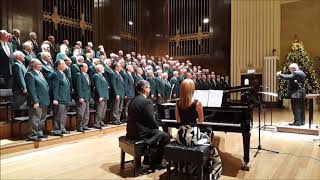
x=186, y=93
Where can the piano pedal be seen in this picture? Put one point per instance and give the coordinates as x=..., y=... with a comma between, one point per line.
x=245, y=166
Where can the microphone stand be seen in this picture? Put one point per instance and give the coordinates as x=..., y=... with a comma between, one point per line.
x=258, y=102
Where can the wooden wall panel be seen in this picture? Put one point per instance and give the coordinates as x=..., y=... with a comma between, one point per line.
x=25, y=16
x=255, y=33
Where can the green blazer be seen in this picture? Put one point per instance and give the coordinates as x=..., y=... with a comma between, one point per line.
x=129, y=84
x=167, y=86
x=82, y=87
x=108, y=73
x=47, y=71
x=153, y=86
x=101, y=87
x=176, y=90
x=74, y=71
x=16, y=45
x=28, y=57
x=18, y=73
x=60, y=87
x=73, y=59
x=118, y=85
x=38, y=88
x=161, y=89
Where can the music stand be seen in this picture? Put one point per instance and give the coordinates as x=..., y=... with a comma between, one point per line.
x=258, y=102
x=271, y=94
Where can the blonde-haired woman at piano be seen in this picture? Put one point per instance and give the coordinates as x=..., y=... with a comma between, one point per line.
x=188, y=113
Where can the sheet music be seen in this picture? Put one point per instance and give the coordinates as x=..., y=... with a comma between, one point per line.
x=215, y=98
x=269, y=93
x=202, y=96
x=169, y=104
x=209, y=98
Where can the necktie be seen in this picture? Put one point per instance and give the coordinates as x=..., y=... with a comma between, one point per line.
x=6, y=49
x=120, y=76
x=87, y=77
x=131, y=77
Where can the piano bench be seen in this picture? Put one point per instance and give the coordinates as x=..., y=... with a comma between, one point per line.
x=135, y=149
x=175, y=153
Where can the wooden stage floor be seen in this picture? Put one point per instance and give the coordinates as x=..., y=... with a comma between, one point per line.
x=98, y=157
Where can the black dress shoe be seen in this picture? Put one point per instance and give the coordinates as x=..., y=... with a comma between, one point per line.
x=295, y=124
x=98, y=127
x=121, y=122
x=86, y=128
x=115, y=122
x=65, y=132
x=56, y=134
x=80, y=130
x=43, y=136
x=36, y=139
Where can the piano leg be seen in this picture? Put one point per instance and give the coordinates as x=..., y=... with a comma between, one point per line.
x=246, y=148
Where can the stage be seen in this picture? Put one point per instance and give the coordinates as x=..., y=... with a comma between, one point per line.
x=98, y=157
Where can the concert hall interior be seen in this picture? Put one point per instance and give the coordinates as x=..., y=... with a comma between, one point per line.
x=161, y=89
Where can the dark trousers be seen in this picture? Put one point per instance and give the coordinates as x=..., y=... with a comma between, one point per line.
x=37, y=118
x=298, y=109
x=59, y=118
x=126, y=107
x=157, y=143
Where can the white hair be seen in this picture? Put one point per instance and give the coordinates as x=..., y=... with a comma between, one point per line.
x=80, y=58
x=95, y=60
x=45, y=46
x=34, y=62
x=63, y=48
x=99, y=66
x=43, y=54
x=27, y=44
x=32, y=33
x=294, y=65
x=16, y=54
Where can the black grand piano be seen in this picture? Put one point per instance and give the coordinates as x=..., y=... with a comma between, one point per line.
x=230, y=117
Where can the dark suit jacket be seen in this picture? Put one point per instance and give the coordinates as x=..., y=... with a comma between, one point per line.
x=36, y=47
x=153, y=86
x=74, y=70
x=38, y=88
x=101, y=87
x=16, y=45
x=118, y=85
x=161, y=89
x=28, y=57
x=60, y=87
x=82, y=88
x=295, y=89
x=18, y=73
x=174, y=81
x=5, y=61
x=130, y=86
x=167, y=86
x=141, y=120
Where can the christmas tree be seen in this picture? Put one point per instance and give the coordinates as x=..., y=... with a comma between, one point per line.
x=300, y=56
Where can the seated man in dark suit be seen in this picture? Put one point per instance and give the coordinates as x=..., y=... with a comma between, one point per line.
x=142, y=124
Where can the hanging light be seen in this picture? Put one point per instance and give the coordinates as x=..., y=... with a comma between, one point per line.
x=130, y=23
x=205, y=21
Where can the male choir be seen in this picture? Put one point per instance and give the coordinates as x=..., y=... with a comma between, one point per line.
x=49, y=77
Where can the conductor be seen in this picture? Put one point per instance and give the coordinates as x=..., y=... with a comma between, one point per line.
x=296, y=92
